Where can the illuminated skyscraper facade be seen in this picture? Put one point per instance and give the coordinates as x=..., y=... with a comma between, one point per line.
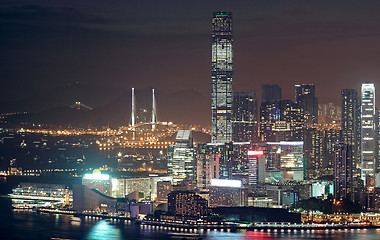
x=182, y=158
x=221, y=75
x=351, y=125
x=367, y=131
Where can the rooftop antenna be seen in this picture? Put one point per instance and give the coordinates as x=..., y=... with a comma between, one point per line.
x=154, y=113
x=133, y=114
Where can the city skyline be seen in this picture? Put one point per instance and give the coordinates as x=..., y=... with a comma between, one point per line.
x=288, y=163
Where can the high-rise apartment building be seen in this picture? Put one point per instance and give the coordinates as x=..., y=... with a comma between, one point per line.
x=314, y=141
x=305, y=97
x=351, y=125
x=343, y=171
x=221, y=75
x=270, y=93
x=367, y=131
x=245, y=117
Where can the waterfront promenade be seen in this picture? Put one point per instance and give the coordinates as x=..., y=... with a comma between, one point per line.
x=224, y=226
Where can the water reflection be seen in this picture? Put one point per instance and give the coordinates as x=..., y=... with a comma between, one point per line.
x=104, y=230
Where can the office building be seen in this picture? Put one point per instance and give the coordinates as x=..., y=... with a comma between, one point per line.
x=231, y=158
x=284, y=160
x=257, y=168
x=245, y=117
x=207, y=166
x=221, y=75
x=367, y=131
x=182, y=158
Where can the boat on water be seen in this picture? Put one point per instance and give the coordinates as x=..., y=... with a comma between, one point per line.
x=76, y=219
x=180, y=235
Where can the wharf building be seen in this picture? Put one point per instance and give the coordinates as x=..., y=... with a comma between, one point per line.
x=221, y=76
x=245, y=117
x=185, y=206
x=305, y=97
x=343, y=171
x=368, y=165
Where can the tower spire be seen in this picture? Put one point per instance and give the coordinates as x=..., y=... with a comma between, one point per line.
x=154, y=114
x=133, y=114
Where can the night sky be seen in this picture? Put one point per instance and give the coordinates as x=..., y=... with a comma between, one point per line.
x=167, y=44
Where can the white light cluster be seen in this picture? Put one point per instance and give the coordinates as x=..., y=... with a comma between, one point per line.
x=225, y=183
x=103, y=177
x=287, y=143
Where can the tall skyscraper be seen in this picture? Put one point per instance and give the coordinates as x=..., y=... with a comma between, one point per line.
x=221, y=75
x=305, y=97
x=351, y=125
x=377, y=147
x=343, y=171
x=367, y=131
x=314, y=141
x=270, y=92
x=245, y=117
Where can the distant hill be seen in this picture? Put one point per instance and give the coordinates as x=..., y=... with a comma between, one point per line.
x=111, y=106
x=64, y=96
